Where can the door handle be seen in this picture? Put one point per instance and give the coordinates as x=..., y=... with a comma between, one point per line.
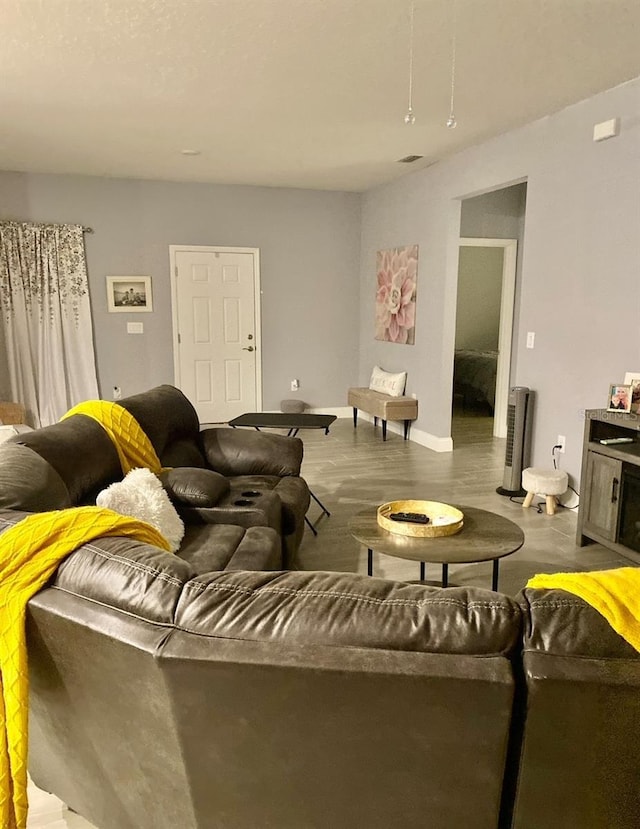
x=250, y=348
x=614, y=490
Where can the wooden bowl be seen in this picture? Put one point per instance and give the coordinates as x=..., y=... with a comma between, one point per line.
x=443, y=519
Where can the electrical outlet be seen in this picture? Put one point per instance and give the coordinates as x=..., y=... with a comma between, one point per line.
x=295, y=385
x=117, y=393
x=561, y=442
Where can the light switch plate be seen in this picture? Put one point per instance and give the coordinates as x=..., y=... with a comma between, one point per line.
x=606, y=129
x=135, y=328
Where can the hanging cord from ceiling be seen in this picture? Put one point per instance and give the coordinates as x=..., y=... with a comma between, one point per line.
x=410, y=118
x=451, y=120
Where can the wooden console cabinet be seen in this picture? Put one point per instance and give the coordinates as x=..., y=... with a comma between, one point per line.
x=602, y=485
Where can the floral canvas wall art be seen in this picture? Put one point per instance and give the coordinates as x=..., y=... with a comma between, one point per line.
x=397, y=273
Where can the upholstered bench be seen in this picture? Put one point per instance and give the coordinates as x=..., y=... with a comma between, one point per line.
x=383, y=406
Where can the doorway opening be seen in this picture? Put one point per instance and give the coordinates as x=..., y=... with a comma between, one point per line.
x=490, y=245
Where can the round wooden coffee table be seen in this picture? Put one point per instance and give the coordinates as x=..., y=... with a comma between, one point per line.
x=484, y=536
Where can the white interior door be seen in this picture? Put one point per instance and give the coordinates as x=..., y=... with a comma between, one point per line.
x=216, y=327
x=507, y=299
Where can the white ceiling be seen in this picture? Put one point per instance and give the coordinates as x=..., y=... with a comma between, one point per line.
x=291, y=93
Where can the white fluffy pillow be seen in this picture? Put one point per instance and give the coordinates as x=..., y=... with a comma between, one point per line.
x=388, y=383
x=141, y=495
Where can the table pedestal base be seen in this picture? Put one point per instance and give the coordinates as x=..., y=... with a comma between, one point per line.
x=445, y=569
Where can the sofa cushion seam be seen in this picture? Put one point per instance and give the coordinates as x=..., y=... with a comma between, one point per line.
x=101, y=603
x=582, y=656
x=551, y=603
x=206, y=635
x=339, y=595
x=133, y=565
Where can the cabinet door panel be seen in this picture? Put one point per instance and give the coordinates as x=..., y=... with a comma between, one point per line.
x=603, y=485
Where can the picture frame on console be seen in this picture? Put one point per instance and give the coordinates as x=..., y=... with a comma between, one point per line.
x=129, y=294
x=632, y=378
x=619, y=397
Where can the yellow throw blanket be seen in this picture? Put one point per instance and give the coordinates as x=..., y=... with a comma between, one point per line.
x=615, y=594
x=30, y=552
x=133, y=446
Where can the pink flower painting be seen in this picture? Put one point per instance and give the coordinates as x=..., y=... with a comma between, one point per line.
x=397, y=271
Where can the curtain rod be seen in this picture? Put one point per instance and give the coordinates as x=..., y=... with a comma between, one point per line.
x=87, y=229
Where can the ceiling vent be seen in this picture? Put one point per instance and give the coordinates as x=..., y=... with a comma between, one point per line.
x=409, y=159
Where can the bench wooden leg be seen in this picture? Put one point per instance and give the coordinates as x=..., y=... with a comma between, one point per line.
x=375, y=422
x=355, y=417
x=384, y=430
x=406, y=429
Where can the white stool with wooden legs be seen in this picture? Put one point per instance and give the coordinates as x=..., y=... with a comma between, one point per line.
x=548, y=483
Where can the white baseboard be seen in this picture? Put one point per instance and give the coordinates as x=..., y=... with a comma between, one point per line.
x=416, y=435
x=431, y=441
x=338, y=411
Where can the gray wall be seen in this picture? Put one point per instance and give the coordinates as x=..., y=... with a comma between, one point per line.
x=479, y=293
x=309, y=255
x=579, y=291
x=500, y=214
x=495, y=215
x=579, y=288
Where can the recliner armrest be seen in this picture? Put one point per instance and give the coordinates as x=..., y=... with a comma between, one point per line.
x=240, y=452
x=240, y=509
x=193, y=487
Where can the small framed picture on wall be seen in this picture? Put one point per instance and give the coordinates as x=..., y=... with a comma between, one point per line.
x=129, y=294
x=619, y=398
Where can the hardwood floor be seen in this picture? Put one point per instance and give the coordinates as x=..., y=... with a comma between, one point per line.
x=351, y=469
x=47, y=812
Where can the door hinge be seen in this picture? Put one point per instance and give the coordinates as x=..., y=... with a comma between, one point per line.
x=179, y=339
x=176, y=270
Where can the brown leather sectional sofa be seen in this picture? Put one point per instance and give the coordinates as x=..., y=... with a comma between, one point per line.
x=254, y=514
x=168, y=696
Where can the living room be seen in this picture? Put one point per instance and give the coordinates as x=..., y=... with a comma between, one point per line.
x=577, y=277
x=577, y=282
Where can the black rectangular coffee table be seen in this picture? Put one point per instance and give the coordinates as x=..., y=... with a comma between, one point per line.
x=293, y=422
x=283, y=420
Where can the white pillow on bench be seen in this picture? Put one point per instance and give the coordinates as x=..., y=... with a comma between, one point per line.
x=388, y=383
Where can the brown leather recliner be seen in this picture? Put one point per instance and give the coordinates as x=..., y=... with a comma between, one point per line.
x=262, y=484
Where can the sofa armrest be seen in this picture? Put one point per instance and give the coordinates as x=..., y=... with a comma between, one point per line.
x=557, y=622
x=240, y=452
x=28, y=482
x=192, y=487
